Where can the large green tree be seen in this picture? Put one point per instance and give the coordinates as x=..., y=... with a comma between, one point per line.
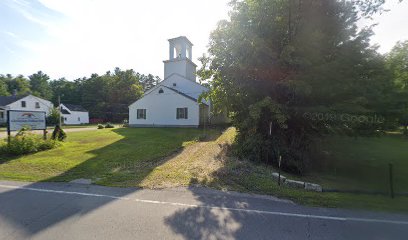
x=275, y=63
x=3, y=86
x=67, y=91
x=18, y=85
x=108, y=96
x=148, y=81
x=397, y=63
x=40, y=86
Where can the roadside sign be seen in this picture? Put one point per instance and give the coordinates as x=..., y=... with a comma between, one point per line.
x=16, y=120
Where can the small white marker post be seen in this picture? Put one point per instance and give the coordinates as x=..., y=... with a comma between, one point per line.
x=279, y=178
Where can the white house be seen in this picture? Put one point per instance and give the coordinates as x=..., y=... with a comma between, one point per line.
x=24, y=103
x=74, y=114
x=174, y=101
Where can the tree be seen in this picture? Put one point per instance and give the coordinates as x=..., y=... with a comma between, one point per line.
x=54, y=117
x=274, y=62
x=397, y=63
x=124, y=88
x=3, y=86
x=108, y=96
x=40, y=86
x=18, y=85
x=148, y=81
x=370, y=7
x=68, y=91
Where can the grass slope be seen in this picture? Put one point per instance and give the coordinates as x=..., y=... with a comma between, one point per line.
x=158, y=158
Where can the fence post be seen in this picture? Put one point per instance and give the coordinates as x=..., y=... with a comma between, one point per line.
x=8, y=128
x=279, y=178
x=390, y=170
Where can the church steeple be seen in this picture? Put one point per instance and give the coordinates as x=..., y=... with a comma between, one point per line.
x=180, y=55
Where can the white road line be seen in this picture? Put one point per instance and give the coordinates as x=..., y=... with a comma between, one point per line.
x=299, y=215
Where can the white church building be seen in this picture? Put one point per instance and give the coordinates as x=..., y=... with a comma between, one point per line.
x=173, y=102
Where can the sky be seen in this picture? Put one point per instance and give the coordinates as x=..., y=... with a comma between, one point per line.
x=75, y=38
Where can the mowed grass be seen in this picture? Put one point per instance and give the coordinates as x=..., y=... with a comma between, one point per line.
x=159, y=158
x=111, y=155
x=362, y=163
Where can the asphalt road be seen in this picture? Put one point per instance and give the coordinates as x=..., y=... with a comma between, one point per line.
x=77, y=211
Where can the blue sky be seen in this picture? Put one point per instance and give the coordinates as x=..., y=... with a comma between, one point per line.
x=21, y=26
x=75, y=38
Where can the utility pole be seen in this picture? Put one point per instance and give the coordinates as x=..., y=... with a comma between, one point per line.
x=59, y=108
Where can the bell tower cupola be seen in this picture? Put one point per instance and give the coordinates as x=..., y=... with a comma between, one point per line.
x=180, y=59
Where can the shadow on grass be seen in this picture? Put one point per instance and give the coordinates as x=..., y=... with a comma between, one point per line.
x=135, y=155
x=126, y=161
x=131, y=159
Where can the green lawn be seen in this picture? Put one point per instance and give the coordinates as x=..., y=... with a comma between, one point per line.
x=158, y=158
x=348, y=163
x=109, y=154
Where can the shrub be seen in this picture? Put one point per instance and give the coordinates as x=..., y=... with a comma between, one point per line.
x=58, y=134
x=53, y=117
x=125, y=123
x=100, y=126
x=25, y=143
x=109, y=125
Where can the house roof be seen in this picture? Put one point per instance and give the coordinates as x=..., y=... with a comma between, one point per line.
x=73, y=107
x=64, y=111
x=6, y=100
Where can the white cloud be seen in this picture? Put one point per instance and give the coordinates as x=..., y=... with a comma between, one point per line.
x=392, y=25
x=26, y=10
x=94, y=36
x=97, y=36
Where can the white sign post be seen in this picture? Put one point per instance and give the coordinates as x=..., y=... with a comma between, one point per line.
x=34, y=120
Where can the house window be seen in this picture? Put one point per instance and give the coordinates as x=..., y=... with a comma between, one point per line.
x=37, y=105
x=23, y=104
x=141, y=113
x=182, y=113
x=161, y=91
x=174, y=84
x=1, y=114
x=79, y=119
x=65, y=119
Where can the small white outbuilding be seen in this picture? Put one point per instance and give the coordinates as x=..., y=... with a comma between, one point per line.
x=173, y=102
x=74, y=114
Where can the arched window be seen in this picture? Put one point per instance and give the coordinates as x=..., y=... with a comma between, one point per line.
x=161, y=90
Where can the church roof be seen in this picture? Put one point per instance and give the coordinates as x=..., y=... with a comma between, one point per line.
x=181, y=38
x=183, y=94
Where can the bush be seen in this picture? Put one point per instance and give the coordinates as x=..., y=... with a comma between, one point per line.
x=109, y=125
x=100, y=126
x=53, y=117
x=25, y=143
x=125, y=123
x=58, y=134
